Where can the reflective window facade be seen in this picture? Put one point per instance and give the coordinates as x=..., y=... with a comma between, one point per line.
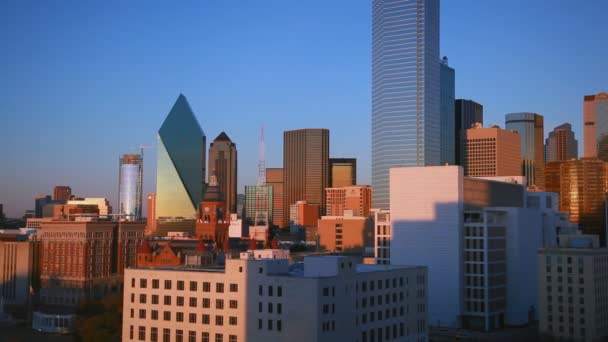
x=581, y=185
x=181, y=163
x=405, y=89
x=594, y=107
x=531, y=132
x=601, y=129
x=130, y=177
x=448, y=94
x=258, y=201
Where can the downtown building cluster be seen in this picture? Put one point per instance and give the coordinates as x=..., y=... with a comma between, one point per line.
x=463, y=226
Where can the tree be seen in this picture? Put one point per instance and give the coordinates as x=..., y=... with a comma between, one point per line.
x=99, y=321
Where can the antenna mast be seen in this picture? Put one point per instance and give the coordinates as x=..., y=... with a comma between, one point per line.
x=261, y=200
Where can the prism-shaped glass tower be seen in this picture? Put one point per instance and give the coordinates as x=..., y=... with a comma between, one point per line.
x=181, y=163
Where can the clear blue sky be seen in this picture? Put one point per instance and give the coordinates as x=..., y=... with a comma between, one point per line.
x=81, y=83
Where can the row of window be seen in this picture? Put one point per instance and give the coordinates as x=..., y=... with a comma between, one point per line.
x=372, y=300
x=381, y=315
x=386, y=284
x=193, y=285
x=383, y=334
x=180, y=301
x=180, y=317
x=271, y=306
x=271, y=324
x=179, y=336
x=270, y=291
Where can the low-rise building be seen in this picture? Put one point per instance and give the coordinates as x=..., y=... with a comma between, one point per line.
x=573, y=289
x=260, y=297
x=346, y=233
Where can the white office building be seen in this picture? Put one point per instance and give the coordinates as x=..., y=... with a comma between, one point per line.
x=478, y=238
x=261, y=297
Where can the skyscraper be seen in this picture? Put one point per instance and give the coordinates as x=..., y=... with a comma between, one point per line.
x=258, y=199
x=223, y=162
x=305, y=167
x=151, y=216
x=181, y=163
x=531, y=133
x=595, y=117
x=561, y=144
x=467, y=113
x=405, y=89
x=274, y=179
x=581, y=185
x=492, y=152
x=448, y=94
x=130, y=182
x=62, y=193
x=342, y=172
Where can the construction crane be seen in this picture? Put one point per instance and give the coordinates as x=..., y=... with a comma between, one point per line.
x=141, y=149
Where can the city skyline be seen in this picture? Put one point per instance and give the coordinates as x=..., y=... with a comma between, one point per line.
x=64, y=96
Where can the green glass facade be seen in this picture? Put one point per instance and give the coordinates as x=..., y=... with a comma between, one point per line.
x=181, y=163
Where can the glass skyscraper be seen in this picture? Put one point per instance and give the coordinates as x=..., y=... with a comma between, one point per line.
x=531, y=132
x=448, y=96
x=130, y=181
x=405, y=89
x=181, y=163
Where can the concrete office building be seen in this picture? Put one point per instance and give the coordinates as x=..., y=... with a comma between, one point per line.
x=482, y=235
x=342, y=172
x=261, y=297
x=180, y=171
x=595, y=123
x=346, y=233
x=305, y=167
x=406, y=112
x=274, y=179
x=19, y=272
x=105, y=210
x=151, y=216
x=467, y=113
x=62, y=193
x=561, y=144
x=492, y=152
x=223, y=163
x=573, y=289
x=303, y=214
x=357, y=199
x=382, y=236
x=530, y=127
x=130, y=186
x=581, y=185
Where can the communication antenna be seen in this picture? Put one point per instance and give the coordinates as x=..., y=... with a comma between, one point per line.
x=261, y=197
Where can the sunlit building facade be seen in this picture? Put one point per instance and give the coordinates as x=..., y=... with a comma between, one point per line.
x=492, y=151
x=342, y=172
x=181, y=163
x=305, y=166
x=530, y=127
x=561, y=144
x=581, y=185
x=130, y=184
x=467, y=113
x=405, y=89
x=274, y=179
x=62, y=193
x=595, y=120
